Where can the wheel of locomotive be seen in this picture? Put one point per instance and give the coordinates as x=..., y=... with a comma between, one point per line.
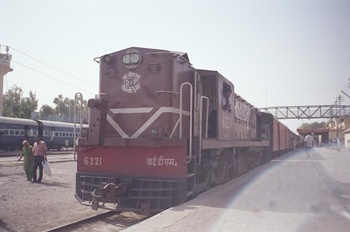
x=251, y=163
x=240, y=164
x=220, y=171
x=231, y=167
x=264, y=157
x=203, y=176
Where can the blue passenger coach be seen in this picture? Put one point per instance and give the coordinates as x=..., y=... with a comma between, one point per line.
x=14, y=130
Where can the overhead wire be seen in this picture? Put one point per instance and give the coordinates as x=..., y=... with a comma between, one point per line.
x=52, y=67
x=49, y=76
x=59, y=70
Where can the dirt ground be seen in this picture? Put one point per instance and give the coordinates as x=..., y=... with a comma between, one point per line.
x=26, y=206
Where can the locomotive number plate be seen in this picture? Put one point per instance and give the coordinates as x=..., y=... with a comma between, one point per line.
x=93, y=161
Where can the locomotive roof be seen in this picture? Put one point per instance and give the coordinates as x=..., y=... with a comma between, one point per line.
x=183, y=55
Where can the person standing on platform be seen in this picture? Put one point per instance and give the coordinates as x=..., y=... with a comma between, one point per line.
x=66, y=144
x=309, y=140
x=28, y=159
x=40, y=153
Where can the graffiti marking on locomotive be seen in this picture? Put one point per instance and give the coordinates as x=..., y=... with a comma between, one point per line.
x=242, y=111
x=160, y=161
x=226, y=122
x=93, y=161
x=131, y=82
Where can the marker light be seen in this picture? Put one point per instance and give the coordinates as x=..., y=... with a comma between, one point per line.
x=108, y=59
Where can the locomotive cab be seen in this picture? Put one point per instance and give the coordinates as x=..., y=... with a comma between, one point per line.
x=217, y=122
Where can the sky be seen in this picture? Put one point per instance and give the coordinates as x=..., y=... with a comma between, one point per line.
x=276, y=53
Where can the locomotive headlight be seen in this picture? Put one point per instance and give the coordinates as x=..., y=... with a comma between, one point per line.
x=132, y=58
x=153, y=133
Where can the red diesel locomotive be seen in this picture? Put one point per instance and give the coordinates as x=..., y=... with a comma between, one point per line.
x=162, y=132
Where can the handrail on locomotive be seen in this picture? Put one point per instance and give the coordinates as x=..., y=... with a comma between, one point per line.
x=201, y=123
x=189, y=158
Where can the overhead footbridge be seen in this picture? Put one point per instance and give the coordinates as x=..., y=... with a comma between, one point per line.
x=308, y=112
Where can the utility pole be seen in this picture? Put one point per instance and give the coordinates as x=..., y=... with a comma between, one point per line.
x=348, y=88
x=5, y=67
x=338, y=101
x=78, y=101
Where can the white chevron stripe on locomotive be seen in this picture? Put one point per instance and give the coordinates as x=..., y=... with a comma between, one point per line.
x=131, y=110
x=159, y=112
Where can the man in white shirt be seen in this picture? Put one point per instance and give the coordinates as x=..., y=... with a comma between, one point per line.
x=309, y=140
x=39, y=153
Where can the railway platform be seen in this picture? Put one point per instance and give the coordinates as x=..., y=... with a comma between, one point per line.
x=299, y=191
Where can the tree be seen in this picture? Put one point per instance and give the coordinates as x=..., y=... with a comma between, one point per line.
x=65, y=109
x=46, y=111
x=17, y=106
x=29, y=104
x=314, y=125
x=61, y=104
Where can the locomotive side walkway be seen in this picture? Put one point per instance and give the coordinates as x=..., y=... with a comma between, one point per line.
x=295, y=192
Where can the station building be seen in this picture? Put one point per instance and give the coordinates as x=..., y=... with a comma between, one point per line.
x=338, y=130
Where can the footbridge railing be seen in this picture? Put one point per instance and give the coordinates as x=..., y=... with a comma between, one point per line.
x=308, y=112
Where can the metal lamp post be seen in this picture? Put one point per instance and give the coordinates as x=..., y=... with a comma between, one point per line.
x=78, y=99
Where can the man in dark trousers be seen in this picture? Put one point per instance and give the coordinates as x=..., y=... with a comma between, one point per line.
x=309, y=140
x=39, y=153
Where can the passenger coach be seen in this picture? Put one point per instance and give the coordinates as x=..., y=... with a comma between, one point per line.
x=14, y=130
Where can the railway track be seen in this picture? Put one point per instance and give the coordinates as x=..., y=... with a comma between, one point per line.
x=17, y=153
x=10, y=159
x=108, y=221
x=61, y=208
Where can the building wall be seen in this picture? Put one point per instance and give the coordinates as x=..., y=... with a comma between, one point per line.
x=336, y=130
x=347, y=139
